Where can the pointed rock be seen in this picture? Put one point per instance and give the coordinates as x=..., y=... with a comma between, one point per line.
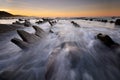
x=39, y=32
x=20, y=43
x=51, y=31
x=50, y=23
x=27, y=37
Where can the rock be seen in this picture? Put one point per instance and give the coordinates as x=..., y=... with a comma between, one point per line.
x=20, y=19
x=117, y=22
x=28, y=39
x=85, y=19
x=91, y=19
x=75, y=24
x=39, y=32
x=20, y=43
x=111, y=21
x=4, y=28
x=39, y=22
x=53, y=22
x=27, y=23
x=107, y=40
x=104, y=20
x=50, y=23
x=51, y=31
x=17, y=22
x=46, y=19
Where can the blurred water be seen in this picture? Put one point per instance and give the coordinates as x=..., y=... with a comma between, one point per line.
x=69, y=53
x=7, y=21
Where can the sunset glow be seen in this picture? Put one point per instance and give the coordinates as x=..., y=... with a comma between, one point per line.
x=61, y=8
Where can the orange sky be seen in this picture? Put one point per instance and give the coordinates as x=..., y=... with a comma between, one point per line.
x=60, y=9
x=47, y=13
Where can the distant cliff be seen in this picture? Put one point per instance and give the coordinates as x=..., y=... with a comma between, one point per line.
x=5, y=14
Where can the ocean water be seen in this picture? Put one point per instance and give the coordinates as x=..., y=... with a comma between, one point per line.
x=70, y=53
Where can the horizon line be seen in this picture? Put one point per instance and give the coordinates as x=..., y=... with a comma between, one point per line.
x=58, y=16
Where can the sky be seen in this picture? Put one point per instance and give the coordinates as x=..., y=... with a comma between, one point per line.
x=62, y=8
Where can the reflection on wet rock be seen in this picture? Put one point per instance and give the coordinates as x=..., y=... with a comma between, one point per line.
x=107, y=40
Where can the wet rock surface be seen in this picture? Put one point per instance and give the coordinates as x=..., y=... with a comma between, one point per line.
x=117, y=22
x=6, y=28
x=106, y=39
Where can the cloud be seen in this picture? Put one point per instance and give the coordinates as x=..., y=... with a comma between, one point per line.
x=9, y=0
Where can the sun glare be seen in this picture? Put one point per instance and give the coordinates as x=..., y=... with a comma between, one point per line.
x=2, y=9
